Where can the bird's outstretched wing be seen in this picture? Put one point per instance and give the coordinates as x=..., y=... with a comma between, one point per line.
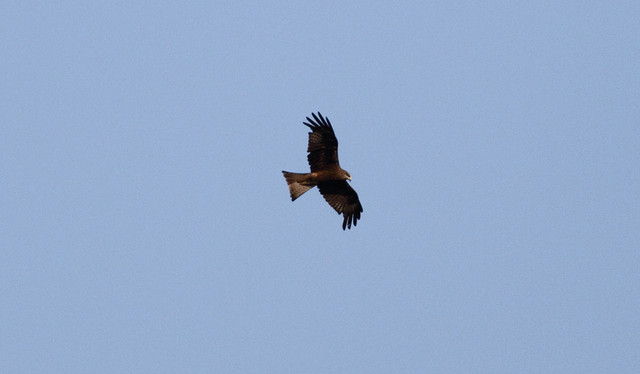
x=344, y=199
x=323, y=145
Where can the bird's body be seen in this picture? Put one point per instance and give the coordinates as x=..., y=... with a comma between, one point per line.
x=326, y=172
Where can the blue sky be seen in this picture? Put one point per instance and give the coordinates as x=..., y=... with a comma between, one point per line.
x=146, y=227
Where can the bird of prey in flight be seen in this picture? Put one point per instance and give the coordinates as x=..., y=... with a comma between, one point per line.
x=326, y=172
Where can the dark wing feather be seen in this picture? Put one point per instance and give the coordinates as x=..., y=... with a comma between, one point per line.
x=323, y=145
x=343, y=199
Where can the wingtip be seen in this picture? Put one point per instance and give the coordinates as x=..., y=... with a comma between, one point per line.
x=318, y=121
x=322, y=121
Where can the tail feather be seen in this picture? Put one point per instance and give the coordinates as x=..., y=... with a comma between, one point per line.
x=296, y=188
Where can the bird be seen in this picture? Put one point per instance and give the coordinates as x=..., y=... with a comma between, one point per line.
x=326, y=172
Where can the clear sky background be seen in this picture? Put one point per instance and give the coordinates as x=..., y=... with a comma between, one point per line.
x=146, y=226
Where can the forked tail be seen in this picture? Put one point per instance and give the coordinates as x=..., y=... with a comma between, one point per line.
x=296, y=189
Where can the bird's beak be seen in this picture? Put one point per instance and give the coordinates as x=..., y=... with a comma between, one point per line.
x=349, y=178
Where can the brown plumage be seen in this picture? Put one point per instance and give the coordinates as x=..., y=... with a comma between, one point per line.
x=326, y=172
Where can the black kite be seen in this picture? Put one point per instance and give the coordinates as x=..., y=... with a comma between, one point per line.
x=326, y=172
